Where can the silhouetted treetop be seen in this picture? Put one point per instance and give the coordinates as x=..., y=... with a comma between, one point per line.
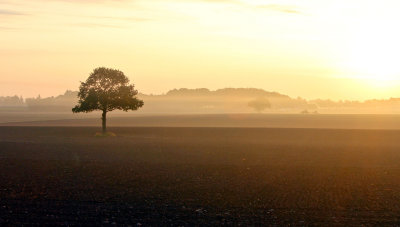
x=259, y=104
x=107, y=90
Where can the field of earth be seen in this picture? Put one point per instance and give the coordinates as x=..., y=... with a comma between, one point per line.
x=122, y=119
x=184, y=176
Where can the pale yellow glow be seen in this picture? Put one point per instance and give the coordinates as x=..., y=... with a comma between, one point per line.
x=338, y=49
x=373, y=51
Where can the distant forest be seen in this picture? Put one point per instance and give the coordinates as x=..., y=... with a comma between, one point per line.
x=202, y=100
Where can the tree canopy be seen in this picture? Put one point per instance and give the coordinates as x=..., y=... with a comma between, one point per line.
x=259, y=104
x=107, y=90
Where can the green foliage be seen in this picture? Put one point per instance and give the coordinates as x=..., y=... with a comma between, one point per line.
x=107, y=90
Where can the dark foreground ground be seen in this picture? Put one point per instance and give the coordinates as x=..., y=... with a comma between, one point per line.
x=199, y=176
x=331, y=121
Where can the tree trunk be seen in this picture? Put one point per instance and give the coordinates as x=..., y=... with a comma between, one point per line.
x=104, y=121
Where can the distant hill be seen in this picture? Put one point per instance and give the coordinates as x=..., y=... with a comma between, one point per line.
x=227, y=100
x=240, y=92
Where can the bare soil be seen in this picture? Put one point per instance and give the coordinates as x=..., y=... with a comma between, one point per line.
x=117, y=119
x=199, y=176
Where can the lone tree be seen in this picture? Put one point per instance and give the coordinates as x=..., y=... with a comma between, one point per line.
x=259, y=104
x=107, y=90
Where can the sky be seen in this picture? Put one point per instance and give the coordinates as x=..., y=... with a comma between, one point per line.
x=331, y=49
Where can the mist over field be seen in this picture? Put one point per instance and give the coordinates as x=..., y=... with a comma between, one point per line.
x=205, y=101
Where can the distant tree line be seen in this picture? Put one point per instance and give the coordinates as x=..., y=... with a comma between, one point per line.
x=203, y=100
x=12, y=101
x=246, y=92
x=61, y=102
x=392, y=102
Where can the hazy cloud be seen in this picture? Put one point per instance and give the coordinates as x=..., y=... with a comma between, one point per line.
x=221, y=1
x=134, y=19
x=272, y=7
x=91, y=1
x=10, y=12
x=85, y=1
x=96, y=25
x=7, y=28
x=280, y=8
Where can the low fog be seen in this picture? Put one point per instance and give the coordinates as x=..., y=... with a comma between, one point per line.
x=204, y=101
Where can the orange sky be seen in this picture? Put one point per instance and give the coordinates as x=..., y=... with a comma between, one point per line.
x=314, y=49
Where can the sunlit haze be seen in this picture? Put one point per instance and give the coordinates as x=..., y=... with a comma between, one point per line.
x=333, y=49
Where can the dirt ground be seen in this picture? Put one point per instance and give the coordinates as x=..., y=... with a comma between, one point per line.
x=323, y=121
x=199, y=176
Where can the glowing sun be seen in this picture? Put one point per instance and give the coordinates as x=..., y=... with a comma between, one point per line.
x=374, y=54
